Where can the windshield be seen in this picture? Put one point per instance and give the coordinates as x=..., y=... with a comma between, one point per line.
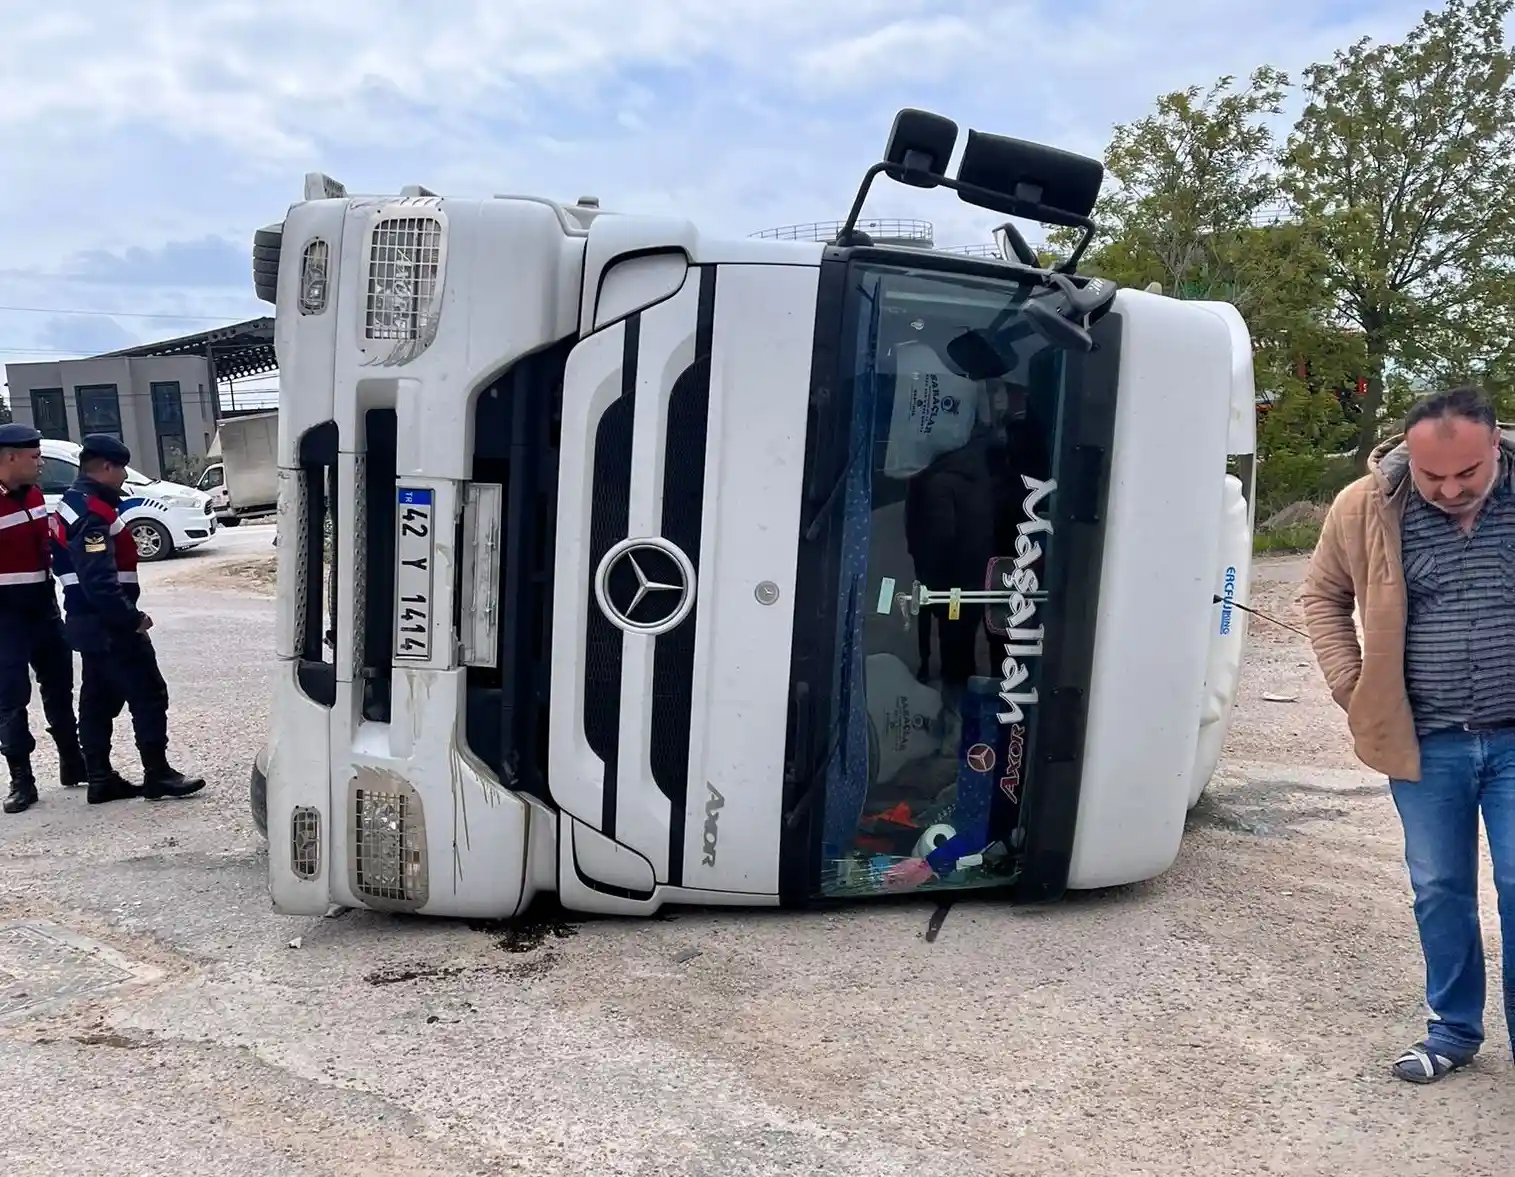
x=957, y=407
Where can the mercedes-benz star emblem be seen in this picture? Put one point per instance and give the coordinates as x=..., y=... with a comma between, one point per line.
x=645, y=586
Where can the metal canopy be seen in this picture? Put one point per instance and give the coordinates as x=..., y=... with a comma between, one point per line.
x=235, y=352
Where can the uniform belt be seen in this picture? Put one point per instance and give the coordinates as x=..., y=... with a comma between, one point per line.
x=1493, y=725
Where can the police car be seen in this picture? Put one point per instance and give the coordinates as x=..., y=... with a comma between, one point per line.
x=164, y=517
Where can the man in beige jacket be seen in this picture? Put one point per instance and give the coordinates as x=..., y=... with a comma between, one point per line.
x=1423, y=546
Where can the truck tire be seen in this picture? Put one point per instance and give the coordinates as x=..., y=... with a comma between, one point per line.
x=231, y=521
x=153, y=540
x=257, y=798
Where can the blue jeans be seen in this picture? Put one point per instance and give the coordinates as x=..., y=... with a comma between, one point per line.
x=1460, y=772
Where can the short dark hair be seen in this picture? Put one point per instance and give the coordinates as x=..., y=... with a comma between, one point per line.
x=89, y=462
x=1466, y=402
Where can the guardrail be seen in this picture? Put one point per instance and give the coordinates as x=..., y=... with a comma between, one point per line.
x=971, y=250
x=879, y=228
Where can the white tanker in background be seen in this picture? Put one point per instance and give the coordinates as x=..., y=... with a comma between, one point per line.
x=669, y=568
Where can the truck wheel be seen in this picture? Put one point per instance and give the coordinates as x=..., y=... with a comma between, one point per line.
x=257, y=797
x=153, y=540
x=231, y=521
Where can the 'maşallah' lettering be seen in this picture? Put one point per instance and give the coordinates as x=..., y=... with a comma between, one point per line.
x=1022, y=641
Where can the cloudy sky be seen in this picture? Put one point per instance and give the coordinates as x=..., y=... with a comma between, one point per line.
x=142, y=143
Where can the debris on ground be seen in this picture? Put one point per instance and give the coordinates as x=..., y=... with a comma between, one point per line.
x=1300, y=514
x=255, y=574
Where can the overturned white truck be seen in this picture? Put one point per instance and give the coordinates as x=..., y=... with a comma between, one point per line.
x=642, y=566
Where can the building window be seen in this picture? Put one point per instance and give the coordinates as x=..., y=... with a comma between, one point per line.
x=99, y=409
x=168, y=424
x=49, y=416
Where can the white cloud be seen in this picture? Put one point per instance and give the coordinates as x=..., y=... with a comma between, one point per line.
x=140, y=125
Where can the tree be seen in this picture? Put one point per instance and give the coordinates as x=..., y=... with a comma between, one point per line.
x=5, y=410
x=1402, y=168
x=1192, y=202
x=1184, y=181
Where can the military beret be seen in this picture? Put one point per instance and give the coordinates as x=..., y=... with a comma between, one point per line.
x=103, y=445
x=19, y=436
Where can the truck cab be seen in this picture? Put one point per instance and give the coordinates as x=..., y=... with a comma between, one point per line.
x=241, y=476
x=213, y=483
x=667, y=568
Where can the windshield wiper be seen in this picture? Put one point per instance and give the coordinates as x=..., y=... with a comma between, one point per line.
x=814, y=529
x=814, y=774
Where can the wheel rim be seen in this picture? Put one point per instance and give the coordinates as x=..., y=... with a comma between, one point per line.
x=149, y=542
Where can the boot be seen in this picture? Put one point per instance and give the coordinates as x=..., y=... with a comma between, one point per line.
x=23, y=794
x=106, y=784
x=71, y=770
x=160, y=779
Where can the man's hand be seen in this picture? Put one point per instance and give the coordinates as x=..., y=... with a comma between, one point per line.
x=145, y=624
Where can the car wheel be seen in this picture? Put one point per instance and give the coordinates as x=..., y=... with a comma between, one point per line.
x=153, y=540
x=257, y=799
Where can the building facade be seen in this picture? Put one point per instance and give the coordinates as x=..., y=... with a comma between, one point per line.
x=162, y=407
x=162, y=399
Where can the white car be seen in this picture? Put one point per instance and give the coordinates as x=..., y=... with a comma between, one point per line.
x=164, y=517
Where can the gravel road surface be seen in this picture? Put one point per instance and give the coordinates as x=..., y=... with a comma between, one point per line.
x=1236, y=1016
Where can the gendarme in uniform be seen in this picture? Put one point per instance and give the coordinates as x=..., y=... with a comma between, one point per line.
x=31, y=630
x=96, y=560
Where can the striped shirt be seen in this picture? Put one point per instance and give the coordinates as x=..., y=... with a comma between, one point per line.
x=1460, y=628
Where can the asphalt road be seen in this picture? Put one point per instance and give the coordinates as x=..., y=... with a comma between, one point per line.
x=1235, y=1016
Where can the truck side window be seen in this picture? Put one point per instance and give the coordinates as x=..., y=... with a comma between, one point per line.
x=212, y=478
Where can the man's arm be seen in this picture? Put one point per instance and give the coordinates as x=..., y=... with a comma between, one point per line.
x=1328, y=598
x=94, y=555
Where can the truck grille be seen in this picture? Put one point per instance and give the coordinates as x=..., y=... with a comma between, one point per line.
x=683, y=519
x=611, y=504
x=683, y=460
x=404, y=289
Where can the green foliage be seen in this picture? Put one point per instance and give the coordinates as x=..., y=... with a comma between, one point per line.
x=1378, y=241
x=1299, y=538
x=1301, y=421
x=1194, y=205
x=1286, y=478
x=1403, y=167
x=5, y=411
x=1184, y=182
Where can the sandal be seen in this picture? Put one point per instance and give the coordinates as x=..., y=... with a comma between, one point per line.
x=1425, y=1063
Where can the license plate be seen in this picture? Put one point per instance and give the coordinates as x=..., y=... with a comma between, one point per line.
x=415, y=549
